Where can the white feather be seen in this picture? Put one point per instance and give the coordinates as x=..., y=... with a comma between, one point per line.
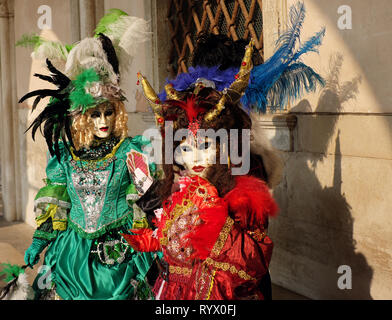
x=127, y=33
x=89, y=53
x=50, y=50
x=23, y=290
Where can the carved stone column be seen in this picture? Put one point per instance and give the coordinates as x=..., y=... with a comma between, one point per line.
x=9, y=114
x=87, y=18
x=90, y=11
x=275, y=17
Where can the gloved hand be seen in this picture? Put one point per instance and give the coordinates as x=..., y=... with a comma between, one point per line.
x=31, y=257
x=143, y=241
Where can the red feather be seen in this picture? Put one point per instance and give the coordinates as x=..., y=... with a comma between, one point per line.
x=192, y=108
x=204, y=235
x=251, y=203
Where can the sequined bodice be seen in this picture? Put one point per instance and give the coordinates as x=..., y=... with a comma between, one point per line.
x=97, y=189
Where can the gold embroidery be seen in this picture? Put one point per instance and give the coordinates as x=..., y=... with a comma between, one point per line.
x=227, y=267
x=180, y=270
x=201, y=191
x=220, y=242
x=257, y=234
x=178, y=210
x=211, y=285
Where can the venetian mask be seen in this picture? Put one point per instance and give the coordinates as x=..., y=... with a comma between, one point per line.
x=103, y=117
x=197, y=155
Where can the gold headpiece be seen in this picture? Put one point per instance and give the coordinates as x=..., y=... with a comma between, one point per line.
x=238, y=87
x=232, y=94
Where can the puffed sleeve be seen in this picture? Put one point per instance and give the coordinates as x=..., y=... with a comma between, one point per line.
x=52, y=202
x=243, y=250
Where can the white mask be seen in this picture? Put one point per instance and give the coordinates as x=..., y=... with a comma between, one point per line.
x=103, y=117
x=197, y=156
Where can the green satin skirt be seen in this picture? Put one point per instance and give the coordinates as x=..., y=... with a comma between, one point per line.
x=78, y=276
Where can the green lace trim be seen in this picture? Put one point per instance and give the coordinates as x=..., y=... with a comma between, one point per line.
x=50, y=236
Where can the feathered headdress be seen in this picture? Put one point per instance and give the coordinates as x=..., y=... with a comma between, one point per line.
x=230, y=94
x=91, y=75
x=273, y=83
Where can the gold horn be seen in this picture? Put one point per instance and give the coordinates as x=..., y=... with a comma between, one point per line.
x=152, y=99
x=173, y=94
x=238, y=87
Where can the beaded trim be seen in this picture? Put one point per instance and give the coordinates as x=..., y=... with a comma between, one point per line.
x=220, y=242
x=105, y=149
x=91, y=165
x=180, y=270
x=211, y=285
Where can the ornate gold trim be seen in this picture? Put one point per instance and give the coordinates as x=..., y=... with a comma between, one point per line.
x=220, y=242
x=228, y=267
x=178, y=210
x=180, y=270
x=257, y=234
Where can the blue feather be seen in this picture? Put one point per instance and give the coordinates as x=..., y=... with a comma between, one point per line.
x=221, y=78
x=274, y=82
x=283, y=76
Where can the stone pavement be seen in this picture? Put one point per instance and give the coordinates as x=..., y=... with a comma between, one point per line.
x=16, y=237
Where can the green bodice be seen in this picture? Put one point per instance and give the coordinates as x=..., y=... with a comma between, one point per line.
x=96, y=189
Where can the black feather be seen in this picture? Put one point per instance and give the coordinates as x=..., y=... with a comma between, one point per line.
x=218, y=50
x=68, y=133
x=55, y=116
x=61, y=80
x=44, y=77
x=56, y=137
x=107, y=46
x=42, y=93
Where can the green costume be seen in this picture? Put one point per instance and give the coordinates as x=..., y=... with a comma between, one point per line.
x=87, y=202
x=82, y=210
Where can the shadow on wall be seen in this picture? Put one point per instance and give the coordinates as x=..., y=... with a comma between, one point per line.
x=314, y=234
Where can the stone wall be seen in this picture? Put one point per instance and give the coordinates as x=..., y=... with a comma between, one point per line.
x=334, y=199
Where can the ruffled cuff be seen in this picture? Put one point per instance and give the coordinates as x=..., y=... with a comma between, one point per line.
x=132, y=195
x=139, y=218
x=45, y=231
x=52, y=202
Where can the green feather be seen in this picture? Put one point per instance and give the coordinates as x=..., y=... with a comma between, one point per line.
x=11, y=271
x=108, y=19
x=29, y=41
x=79, y=97
x=69, y=47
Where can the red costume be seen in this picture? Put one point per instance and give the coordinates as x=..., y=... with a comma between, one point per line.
x=216, y=248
